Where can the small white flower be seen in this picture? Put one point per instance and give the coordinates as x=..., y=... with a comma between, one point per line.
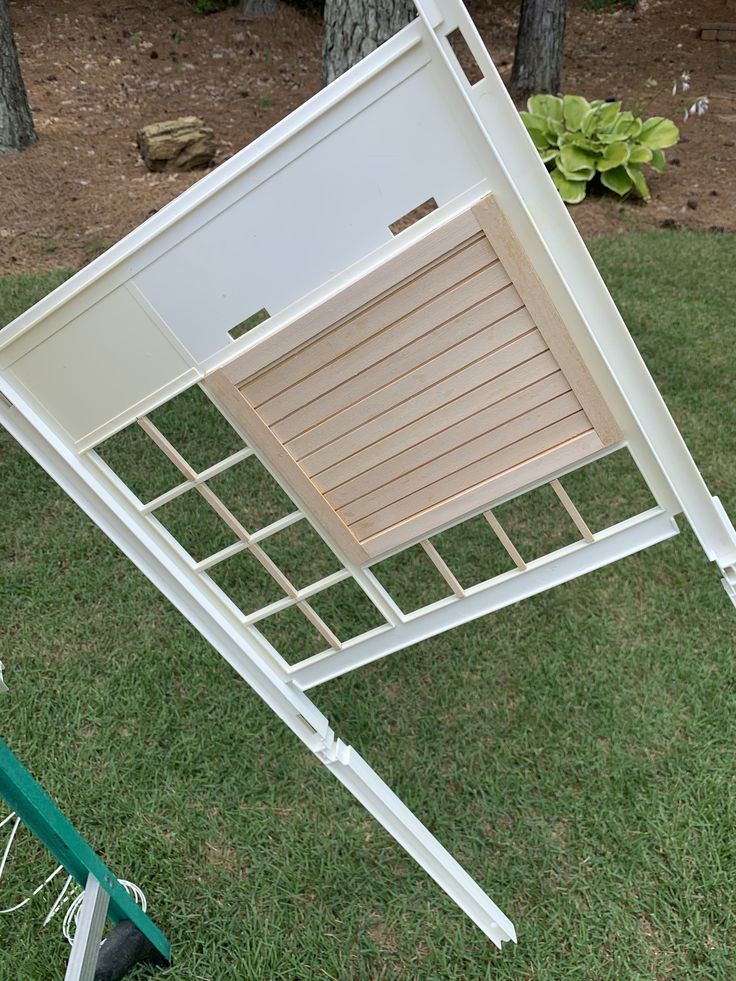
x=674, y=89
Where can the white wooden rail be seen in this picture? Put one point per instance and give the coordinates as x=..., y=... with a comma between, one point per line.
x=411, y=375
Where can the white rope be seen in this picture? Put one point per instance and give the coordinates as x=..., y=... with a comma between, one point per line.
x=71, y=917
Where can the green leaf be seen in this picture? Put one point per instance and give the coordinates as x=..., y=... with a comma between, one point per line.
x=602, y=118
x=658, y=133
x=577, y=175
x=549, y=106
x=540, y=140
x=551, y=154
x=638, y=180
x=617, y=180
x=627, y=129
x=571, y=191
x=657, y=161
x=578, y=140
x=572, y=158
x=614, y=155
x=640, y=154
x=575, y=109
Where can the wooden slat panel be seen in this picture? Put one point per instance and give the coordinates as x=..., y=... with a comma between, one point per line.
x=515, y=479
x=399, y=303
x=420, y=393
x=489, y=400
x=466, y=325
x=426, y=251
x=539, y=303
x=473, y=439
x=435, y=379
x=477, y=473
x=324, y=374
x=306, y=495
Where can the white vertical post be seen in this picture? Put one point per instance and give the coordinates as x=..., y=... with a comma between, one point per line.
x=86, y=947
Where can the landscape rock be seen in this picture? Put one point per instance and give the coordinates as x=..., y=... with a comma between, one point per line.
x=178, y=144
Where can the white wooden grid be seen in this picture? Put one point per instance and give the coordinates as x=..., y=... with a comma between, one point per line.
x=152, y=317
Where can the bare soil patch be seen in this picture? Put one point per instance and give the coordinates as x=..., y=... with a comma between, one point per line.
x=98, y=70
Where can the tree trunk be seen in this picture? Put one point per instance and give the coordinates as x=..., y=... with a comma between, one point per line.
x=354, y=28
x=538, y=58
x=16, y=122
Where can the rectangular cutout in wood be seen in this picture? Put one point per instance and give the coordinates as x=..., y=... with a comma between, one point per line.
x=434, y=386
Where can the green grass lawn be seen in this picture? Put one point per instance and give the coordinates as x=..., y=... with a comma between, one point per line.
x=576, y=753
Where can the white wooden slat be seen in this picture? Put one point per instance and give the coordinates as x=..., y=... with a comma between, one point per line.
x=204, y=475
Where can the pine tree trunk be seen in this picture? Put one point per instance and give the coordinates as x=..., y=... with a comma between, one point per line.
x=354, y=28
x=538, y=58
x=16, y=122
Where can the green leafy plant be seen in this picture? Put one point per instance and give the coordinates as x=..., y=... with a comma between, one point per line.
x=582, y=141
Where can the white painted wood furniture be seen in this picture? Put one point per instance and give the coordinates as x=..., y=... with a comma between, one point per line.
x=402, y=381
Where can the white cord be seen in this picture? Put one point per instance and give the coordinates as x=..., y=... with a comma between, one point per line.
x=69, y=923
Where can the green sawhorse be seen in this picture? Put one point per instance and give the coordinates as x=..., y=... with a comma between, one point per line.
x=135, y=938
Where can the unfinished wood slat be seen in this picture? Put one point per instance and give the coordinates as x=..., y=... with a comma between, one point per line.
x=504, y=539
x=262, y=438
x=483, y=399
x=539, y=303
x=419, y=392
x=442, y=567
x=436, y=291
x=477, y=471
x=204, y=475
x=166, y=447
x=468, y=324
x=536, y=468
x=451, y=451
x=571, y=510
x=419, y=256
x=433, y=383
x=368, y=354
x=316, y=620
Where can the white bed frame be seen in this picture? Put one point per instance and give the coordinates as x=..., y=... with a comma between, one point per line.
x=294, y=224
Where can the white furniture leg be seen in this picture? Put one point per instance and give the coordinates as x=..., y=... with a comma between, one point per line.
x=86, y=946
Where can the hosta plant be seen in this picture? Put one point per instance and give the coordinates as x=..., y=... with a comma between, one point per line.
x=581, y=140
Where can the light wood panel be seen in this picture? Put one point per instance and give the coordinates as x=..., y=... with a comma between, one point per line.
x=421, y=393
x=435, y=380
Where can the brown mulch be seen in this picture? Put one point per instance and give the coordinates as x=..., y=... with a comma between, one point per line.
x=97, y=70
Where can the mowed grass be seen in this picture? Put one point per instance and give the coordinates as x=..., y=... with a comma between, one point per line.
x=575, y=752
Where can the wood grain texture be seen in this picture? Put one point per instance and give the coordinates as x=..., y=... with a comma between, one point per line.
x=420, y=393
x=546, y=316
x=419, y=256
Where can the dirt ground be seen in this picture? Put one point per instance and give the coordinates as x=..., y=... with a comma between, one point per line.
x=97, y=70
